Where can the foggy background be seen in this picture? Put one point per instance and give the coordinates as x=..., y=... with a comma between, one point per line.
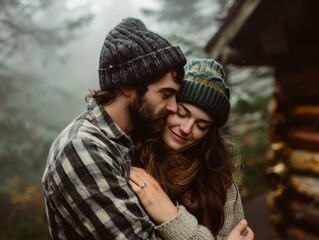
x=49, y=55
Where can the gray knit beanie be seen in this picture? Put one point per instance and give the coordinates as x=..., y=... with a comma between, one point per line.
x=132, y=54
x=204, y=86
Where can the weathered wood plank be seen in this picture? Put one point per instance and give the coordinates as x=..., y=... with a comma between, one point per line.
x=305, y=185
x=303, y=137
x=304, y=160
x=305, y=112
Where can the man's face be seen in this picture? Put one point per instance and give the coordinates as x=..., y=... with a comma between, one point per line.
x=157, y=102
x=161, y=95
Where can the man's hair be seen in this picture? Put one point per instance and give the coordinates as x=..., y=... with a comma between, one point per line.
x=108, y=96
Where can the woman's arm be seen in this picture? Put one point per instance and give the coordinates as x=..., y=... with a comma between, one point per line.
x=233, y=212
x=175, y=222
x=171, y=222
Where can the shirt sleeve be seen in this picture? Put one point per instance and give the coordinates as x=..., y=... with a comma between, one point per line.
x=93, y=195
x=233, y=212
x=184, y=226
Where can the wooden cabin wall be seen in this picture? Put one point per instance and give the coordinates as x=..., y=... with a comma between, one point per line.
x=293, y=158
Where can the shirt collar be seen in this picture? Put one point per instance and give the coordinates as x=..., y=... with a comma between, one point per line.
x=105, y=122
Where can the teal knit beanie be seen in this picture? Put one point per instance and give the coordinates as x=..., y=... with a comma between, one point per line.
x=204, y=86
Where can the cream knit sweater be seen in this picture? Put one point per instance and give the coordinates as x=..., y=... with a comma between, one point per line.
x=185, y=226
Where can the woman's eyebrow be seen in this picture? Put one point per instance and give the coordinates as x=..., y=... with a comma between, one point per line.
x=189, y=112
x=206, y=121
x=185, y=108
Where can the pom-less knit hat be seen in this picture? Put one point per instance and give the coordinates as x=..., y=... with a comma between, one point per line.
x=204, y=86
x=132, y=54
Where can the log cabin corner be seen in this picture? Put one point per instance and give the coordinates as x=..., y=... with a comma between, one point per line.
x=283, y=34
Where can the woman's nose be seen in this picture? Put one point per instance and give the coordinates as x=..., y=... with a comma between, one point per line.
x=186, y=128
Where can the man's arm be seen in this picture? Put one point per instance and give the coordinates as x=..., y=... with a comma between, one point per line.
x=94, y=197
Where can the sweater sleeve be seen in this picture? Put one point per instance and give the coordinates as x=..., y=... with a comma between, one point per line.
x=233, y=212
x=184, y=226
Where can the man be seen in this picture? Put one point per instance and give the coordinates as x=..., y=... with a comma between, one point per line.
x=86, y=186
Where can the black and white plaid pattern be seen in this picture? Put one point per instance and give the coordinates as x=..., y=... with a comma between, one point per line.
x=87, y=193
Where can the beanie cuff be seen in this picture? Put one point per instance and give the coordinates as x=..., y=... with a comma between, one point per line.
x=208, y=98
x=141, y=69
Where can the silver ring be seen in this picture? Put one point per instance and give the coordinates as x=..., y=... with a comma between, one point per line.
x=143, y=185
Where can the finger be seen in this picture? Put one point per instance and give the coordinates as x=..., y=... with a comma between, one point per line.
x=250, y=234
x=138, y=171
x=137, y=178
x=141, y=177
x=136, y=188
x=134, y=185
x=242, y=225
x=141, y=172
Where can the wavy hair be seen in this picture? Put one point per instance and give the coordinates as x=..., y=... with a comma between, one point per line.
x=209, y=163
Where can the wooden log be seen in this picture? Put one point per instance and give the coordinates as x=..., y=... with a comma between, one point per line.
x=274, y=199
x=305, y=185
x=302, y=137
x=304, y=212
x=277, y=223
x=277, y=174
x=305, y=112
x=278, y=151
x=305, y=161
x=275, y=130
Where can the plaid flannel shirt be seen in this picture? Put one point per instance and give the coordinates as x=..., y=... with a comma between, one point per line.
x=86, y=188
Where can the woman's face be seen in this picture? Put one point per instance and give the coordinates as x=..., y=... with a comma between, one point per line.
x=186, y=127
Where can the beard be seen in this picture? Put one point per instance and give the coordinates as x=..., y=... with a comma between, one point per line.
x=146, y=122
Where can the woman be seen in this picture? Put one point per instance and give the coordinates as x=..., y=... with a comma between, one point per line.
x=189, y=158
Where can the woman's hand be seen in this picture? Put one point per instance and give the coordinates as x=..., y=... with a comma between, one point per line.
x=155, y=201
x=241, y=232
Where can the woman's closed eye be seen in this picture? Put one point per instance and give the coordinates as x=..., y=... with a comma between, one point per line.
x=203, y=126
x=181, y=114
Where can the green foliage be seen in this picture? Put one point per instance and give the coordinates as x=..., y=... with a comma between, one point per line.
x=22, y=215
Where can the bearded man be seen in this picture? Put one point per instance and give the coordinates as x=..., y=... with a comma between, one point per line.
x=86, y=179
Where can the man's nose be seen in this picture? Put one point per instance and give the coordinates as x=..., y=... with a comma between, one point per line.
x=172, y=106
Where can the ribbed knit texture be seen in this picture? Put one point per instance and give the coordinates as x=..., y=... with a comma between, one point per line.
x=204, y=86
x=132, y=54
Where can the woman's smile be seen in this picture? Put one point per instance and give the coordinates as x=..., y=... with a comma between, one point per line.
x=178, y=137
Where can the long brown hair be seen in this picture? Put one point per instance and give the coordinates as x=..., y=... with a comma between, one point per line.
x=198, y=177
